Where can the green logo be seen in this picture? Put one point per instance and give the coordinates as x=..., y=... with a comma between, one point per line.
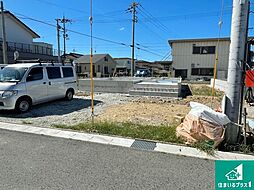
x=234, y=174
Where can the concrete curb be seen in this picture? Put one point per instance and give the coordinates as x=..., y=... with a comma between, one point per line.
x=124, y=142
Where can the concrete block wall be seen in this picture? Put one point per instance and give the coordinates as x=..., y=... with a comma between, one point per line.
x=107, y=85
x=219, y=84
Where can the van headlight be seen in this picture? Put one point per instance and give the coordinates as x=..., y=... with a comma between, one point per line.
x=9, y=93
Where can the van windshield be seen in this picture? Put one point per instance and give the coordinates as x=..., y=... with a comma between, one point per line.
x=12, y=74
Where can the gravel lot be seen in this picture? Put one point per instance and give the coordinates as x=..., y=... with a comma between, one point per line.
x=63, y=112
x=110, y=107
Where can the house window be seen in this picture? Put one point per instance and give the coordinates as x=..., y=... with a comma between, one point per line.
x=194, y=71
x=99, y=68
x=203, y=50
x=106, y=59
x=78, y=70
x=106, y=70
x=202, y=71
x=196, y=50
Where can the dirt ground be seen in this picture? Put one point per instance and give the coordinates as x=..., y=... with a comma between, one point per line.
x=154, y=111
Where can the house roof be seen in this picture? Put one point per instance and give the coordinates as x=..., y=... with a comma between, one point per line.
x=201, y=40
x=163, y=62
x=73, y=55
x=86, y=58
x=23, y=25
x=122, y=58
x=197, y=40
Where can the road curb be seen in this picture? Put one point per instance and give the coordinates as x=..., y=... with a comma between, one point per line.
x=124, y=142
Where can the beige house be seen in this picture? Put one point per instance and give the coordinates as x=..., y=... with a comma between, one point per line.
x=195, y=58
x=103, y=65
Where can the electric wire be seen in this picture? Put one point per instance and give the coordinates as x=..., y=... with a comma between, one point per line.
x=87, y=35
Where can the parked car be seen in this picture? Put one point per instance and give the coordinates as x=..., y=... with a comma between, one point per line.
x=27, y=84
x=143, y=73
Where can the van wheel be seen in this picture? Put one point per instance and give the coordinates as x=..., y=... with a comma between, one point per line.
x=23, y=105
x=69, y=95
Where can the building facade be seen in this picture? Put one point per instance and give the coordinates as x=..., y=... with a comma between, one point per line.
x=123, y=62
x=103, y=65
x=195, y=58
x=19, y=37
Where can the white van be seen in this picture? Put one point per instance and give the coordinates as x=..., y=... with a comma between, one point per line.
x=27, y=84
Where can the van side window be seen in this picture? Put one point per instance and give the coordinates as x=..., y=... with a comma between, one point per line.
x=67, y=72
x=53, y=72
x=35, y=74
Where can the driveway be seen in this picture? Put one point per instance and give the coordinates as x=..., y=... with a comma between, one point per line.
x=63, y=112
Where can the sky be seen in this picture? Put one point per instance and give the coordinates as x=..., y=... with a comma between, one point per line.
x=158, y=22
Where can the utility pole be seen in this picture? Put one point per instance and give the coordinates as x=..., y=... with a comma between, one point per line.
x=91, y=60
x=236, y=57
x=246, y=61
x=58, y=27
x=133, y=10
x=65, y=36
x=5, y=58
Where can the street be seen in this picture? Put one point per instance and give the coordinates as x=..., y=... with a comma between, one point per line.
x=38, y=162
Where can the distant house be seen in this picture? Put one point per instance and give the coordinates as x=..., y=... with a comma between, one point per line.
x=195, y=58
x=123, y=65
x=69, y=58
x=103, y=65
x=19, y=37
x=157, y=68
x=123, y=62
x=142, y=64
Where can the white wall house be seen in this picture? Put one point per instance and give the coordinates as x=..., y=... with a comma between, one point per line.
x=195, y=58
x=17, y=31
x=19, y=37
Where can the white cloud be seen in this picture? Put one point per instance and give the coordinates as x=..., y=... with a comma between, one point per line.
x=121, y=29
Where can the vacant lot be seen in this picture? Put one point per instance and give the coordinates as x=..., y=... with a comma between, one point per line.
x=112, y=108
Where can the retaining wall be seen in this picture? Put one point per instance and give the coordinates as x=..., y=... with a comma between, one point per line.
x=219, y=84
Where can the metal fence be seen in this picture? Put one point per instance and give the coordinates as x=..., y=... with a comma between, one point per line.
x=30, y=48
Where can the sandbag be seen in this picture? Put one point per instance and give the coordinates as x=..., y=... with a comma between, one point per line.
x=204, y=112
x=195, y=128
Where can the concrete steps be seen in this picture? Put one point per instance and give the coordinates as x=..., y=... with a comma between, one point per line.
x=156, y=89
x=153, y=93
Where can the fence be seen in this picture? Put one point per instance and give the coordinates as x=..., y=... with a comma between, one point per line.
x=30, y=48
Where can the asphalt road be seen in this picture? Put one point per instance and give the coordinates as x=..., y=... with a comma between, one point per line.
x=37, y=162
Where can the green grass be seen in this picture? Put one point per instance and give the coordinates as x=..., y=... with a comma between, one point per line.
x=205, y=147
x=163, y=133
x=203, y=90
x=159, y=133
x=246, y=149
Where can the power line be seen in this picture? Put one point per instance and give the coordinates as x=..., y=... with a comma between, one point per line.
x=168, y=18
x=87, y=35
x=58, y=5
x=157, y=21
x=149, y=51
x=147, y=27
